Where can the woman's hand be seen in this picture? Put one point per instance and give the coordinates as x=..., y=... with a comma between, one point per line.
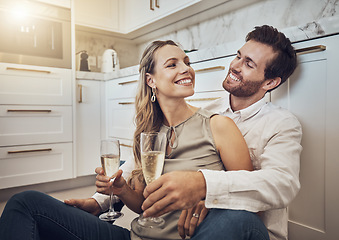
x=191, y=218
x=104, y=183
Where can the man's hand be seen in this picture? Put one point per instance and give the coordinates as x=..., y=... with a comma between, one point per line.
x=190, y=219
x=89, y=205
x=176, y=190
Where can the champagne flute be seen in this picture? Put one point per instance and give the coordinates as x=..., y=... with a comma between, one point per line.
x=152, y=147
x=110, y=162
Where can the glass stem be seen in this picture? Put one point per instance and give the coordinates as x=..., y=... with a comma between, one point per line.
x=111, y=207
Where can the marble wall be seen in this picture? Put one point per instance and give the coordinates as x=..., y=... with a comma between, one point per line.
x=304, y=15
x=233, y=26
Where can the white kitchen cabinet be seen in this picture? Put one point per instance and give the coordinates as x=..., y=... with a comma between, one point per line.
x=138, y=13
x=100, y=14
x=88, y=125
x=209, y=76
x=311, y=94
x=120, y=109
x=35, y=85
x=22, y=124
x=36, y=124
x=31, y=164
x=59, y=3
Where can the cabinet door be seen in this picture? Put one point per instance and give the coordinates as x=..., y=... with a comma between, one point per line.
x=34, y=85
x=138, y=13
x=311, y=94
x=31, y=164
x=209, y=75
x=24, y=124
x=101, y=14
x=88, y=127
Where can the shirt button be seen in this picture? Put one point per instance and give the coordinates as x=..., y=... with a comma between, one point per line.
x=215, y=201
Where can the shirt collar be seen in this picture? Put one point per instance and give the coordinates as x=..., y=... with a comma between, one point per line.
x=249, y=111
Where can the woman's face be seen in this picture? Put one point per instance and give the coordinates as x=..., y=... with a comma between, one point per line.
x=173, y=76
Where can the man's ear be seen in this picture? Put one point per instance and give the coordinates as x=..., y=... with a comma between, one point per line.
x=271, y=83
x=150, y=80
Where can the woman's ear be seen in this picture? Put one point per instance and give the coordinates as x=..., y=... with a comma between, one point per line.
x=272, y=83
x=150, y=80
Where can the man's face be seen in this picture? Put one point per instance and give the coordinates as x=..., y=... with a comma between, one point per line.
x=246, y=74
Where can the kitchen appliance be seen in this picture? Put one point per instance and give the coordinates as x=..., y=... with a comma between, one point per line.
x=110, y=61
x=35, y=33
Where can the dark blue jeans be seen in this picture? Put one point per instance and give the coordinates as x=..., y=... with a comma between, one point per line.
x=232, y=225
x=34, y=215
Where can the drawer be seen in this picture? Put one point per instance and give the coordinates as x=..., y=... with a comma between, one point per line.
x=20, y=125
x=209, y=75
x=25, y=165
x=120, y=118
x=123, y=87
x=204, y=98
x=33, y=85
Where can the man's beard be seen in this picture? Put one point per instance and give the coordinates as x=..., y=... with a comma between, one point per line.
x=246, y=89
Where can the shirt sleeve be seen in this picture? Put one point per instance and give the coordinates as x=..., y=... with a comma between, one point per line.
x=273, y=186
x=102, y=199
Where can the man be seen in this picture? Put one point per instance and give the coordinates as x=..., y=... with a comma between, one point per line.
x=273, y=136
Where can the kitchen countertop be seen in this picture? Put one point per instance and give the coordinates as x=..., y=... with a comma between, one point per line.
x=323, y=27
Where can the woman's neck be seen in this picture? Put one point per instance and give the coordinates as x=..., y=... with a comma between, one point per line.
x=176, y=112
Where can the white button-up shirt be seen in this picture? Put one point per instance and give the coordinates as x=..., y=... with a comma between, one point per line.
x=273, y=137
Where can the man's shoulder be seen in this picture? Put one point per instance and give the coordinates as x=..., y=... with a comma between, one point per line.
x=277, y=114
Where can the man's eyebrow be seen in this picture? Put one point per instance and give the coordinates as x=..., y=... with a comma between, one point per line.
x=248, y=58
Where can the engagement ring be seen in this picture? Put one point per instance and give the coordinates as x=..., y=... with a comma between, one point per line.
x=196, y=215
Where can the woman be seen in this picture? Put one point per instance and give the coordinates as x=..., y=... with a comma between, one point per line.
x=196, y=139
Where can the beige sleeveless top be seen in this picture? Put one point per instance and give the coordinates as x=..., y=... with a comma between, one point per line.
x=193, y=149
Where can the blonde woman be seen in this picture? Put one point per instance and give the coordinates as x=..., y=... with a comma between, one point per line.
x=196, y=138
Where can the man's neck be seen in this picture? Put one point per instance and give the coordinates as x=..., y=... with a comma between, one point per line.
x=239, y=103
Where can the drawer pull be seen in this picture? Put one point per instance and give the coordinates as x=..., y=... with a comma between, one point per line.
x=202, y=99
x=151, y=5
x=123, y=83
x=126, y=103
x=210, y=69
x=125, y=145
x=157, y=3
x=30, y=151
x=29, y=110
x=28, y=70
x=318, y=48
x=80, y=93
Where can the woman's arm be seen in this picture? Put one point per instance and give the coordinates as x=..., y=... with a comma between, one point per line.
x=230, y=144
x=131, y=197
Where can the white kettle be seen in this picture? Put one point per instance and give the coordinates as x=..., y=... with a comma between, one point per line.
x=109, y=61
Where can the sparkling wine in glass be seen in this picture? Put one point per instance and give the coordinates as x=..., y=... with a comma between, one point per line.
x=110, y=162
x=153, y=147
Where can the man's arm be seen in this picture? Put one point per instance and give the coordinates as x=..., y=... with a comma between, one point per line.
x=273, y=186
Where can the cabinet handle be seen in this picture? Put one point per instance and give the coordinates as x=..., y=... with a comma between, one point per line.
x=157, y=3
x=318, y=48
x=151, y=5
x=30, y=151
x=201, y=99
x=126, y=103
x=30, y=110
x=125, y=145
x=128, y=82
x=210, y=69
x=28, y=70
x=80, y=93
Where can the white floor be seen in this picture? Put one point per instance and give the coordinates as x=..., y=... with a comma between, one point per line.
x=85, y=192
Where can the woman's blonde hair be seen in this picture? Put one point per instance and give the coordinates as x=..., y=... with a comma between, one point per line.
x=148, y=115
